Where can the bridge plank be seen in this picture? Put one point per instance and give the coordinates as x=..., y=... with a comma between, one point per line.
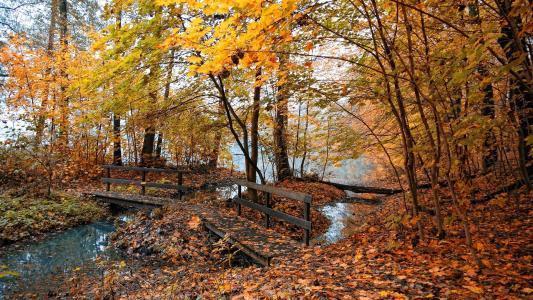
x=262, y=244
x=142, y=199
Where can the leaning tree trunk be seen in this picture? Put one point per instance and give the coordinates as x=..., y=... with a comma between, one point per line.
x=254, y=130
x=232, y=116
x=280, y=126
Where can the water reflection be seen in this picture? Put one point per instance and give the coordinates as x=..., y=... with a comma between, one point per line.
x=348, y=171
x=41, y=265
x=341, y=216
x=226, y=192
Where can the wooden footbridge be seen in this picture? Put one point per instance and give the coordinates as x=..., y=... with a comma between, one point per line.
x=262, y=244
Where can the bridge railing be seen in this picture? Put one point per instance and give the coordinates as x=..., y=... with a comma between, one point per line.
x=143, y=183
x=304, y=223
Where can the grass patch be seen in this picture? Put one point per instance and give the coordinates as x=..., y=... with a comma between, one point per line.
x=28, y=216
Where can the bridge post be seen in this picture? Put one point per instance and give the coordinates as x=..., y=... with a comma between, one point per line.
x=108, y=174
x=143, y=180
x=180, y=178
x=268, y=198
x=180, y=183
x=239, y=194
x=307, y=217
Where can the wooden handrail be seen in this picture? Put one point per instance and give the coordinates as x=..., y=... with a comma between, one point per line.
x=304, y=223
x=275, y=190
x=144, y=169
x=142, y=183
x=278, y=214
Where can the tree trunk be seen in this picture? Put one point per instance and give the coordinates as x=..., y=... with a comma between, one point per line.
x=63, y=100
x=296, y=143
x=399, y=112
x=304, y=155
x=327, y=150
x=434, y=148
x=254, y=129
x=280, y=125
x=117, y=148
x=490, y=153
x=147, y=154
x=39, y=129
x=231, y=116
x=213, y=159
x=148, y=147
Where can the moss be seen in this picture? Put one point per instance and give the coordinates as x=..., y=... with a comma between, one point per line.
x=26, y=216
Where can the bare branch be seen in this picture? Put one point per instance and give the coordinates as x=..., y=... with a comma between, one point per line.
x=21, y=5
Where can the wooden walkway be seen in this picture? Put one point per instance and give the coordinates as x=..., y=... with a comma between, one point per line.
x=263, y=245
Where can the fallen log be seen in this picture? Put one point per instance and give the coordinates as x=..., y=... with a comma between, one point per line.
x=492, y=195
x=363, y=189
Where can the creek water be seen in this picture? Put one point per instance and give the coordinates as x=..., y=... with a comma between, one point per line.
x=341, y=217
x=38, y=267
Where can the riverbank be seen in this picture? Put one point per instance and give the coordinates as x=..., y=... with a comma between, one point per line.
x=25, y=216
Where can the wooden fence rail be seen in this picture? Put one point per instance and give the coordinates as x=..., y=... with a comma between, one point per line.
x=304, y=223
x=108, y=180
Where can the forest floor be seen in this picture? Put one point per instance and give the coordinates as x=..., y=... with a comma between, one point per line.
x=380, y=258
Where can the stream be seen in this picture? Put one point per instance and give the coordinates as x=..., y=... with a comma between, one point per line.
x=341, y=216
x=41, y=266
